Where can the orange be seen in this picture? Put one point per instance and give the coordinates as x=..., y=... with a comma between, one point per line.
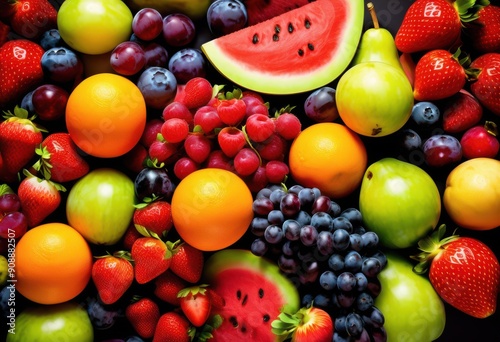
x=106, y=115
x=472, y=194
x=328, y=156
x=211, y=208
x=53, y=263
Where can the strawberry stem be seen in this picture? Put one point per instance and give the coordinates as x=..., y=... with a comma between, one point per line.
x=5, y=189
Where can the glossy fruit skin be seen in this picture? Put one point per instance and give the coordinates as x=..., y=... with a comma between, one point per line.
x=472, y=185
x=61, y=64
x=374, y=99
x=441, y=150
x=178, y=30
x=478, y=142
x=96, y=26
x=186, y=64
x=100, y=205
x=390, y=191
x=49, y=101
x=158, y=86
x=412, y=309
x=320, y=105
x=226, y=16
x=65, y=322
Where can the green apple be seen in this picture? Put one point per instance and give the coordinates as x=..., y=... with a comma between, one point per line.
x=399, y=201
x=374, y=98
x=100, y=205
x=59, y=322
x=94, y=26
x=412, y=309
x=4, y=270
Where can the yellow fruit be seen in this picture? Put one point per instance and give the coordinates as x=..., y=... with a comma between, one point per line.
x=211, y=209
x=472, y=194
x=328, y=156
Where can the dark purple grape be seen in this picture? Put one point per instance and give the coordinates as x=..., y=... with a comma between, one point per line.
x=178, y=30
x=262, y=206
x=158, y=86
x=356, y=242
x=127, y=58
x=409, y=140
x=226, y=16
x=307, y=196
x=303, y=217
x=381, y=257
x=288, y=265
x=361, y=281
x=102, y=316
x=377, y=319
x=354, y=324
x=308, y=235
x=153, y=182
x=156, y=55
x=276, y=196
x=258, y=226
x=61, y=65
x=364, y=301
x=295, y=189
x=291, y=229
x=322, y=221
x=290, y=205
x=363, y=337
x=379, y=335
x=371, y=267
x=370, y=240
x=258, y=247
x=340, y=222
x=346, y=281
x=147, y=24
x=9, y=202
x=322, y=203
x=336, y=262
x=324, y=243
x=320, y=105
x=290, y=248
x=441, y=150
x=353, y=261
x=276, y=217
x=264, y=192
x=273, y=234
x=321, y=301
x=309, y=272
x=374, y=287
x=346, y=299
x=341, y=239
x=328, y=280
x=186, y=64
x=13, y=225
x=353, y=215
x=335, y=209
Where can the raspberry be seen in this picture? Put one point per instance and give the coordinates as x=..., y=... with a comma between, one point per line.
x=231, y=140
x=232, y=112
x=259, y=127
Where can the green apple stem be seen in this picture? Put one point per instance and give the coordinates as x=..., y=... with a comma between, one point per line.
x=373, y=14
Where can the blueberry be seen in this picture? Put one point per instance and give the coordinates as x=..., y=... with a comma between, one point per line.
x=322, y=301
x=425, y=113
x=27, y=102
x=51, y=39
x=409, y=140
x=158, y=86
x=61, y=64
x=186, y=64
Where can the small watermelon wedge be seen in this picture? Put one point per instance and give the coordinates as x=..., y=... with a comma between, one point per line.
x=297, y=51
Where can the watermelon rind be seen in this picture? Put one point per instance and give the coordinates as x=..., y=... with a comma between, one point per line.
x=277, y=68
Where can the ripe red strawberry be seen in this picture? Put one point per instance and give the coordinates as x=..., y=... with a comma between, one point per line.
x=464, y=272
x=59, y=159
x=33, y=17
x=143, y=315
x=112, y=276
x=173, y=327
x=20, y=69
x=484, y=85
x=39, y=198
x=19, y=137
x=195, y=304
x=309, y=324
x=187, y=261
x=428, y=25
x=155, y=216
x=460, y=112
x=151, y=257
x=438, y=75
x=483, y=34
x=131, y=234
x=167, y=286
x=231, y=111
x=197, y=92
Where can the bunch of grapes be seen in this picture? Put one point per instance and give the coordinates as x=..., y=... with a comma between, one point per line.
x=326, y=251
x=13, y=222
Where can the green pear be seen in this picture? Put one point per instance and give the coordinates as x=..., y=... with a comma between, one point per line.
x=377, y=45
x=399, y=201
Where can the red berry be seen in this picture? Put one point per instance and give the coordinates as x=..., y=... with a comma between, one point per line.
x=49, y=101
x=175, y=130
x=480, y=141
x=273, y=148
x=231, y=112
x=276, y=171
x=257, y=180
x=288, y=126
x=197, y=93
x=197, y=147
x=231, y=140
x=150, y=133
x=178, y=110
x=259, y=127
x=218, y=160
x=161, y=150
x=246, y=162
x=184, y=166
x=255, y=105
x=207, y=118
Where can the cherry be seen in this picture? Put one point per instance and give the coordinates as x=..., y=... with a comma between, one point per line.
x=480, y=141
x=49, y=101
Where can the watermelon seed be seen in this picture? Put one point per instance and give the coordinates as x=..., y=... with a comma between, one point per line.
x=244, y=300
x=238, y=294
x=310, y=46
x=290, y=27
x=301, y=52
x=233, y=321
x=277, y=29
x=261, y=293
x=307, y=24
x=276, y=37
x=255, y=38
x=266, y=318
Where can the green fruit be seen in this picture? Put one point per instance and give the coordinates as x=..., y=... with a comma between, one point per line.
x=399, y=201
x=100, y=205
x=412, y=309
x=4, y=270
x=374, y=98
x=377, y=45
x=59, y=322
x=298, y=51
x=264, y=293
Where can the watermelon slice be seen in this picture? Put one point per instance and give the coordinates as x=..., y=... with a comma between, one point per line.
x=297, y=51
x=254, y=291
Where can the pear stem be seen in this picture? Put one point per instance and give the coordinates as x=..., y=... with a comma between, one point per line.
x=373, y=14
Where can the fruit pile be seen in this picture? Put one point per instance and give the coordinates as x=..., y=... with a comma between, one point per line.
x=225, y=170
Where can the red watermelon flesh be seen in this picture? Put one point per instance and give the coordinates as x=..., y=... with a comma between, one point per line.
x=261, y=10
x=297, y=51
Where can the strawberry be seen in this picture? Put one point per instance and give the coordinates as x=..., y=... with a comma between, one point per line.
x=173, y=327
x=438, y=75
x=197, y=92
x=39, y=198
x=309, y=324
x=112, y=276
x=31, y=18
x=59, y=159
x=430, y=25
x=483, y=34
x=187, y=261
x=231, y=111
x=155, y=216
x=19, y=137
x=464, y=272
x=143, y=315
x=195, y=304
x=20, y=69
x=167, y=286
x=485, y=83
x=151, y=256
x=460, y=112
x=131, y=234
